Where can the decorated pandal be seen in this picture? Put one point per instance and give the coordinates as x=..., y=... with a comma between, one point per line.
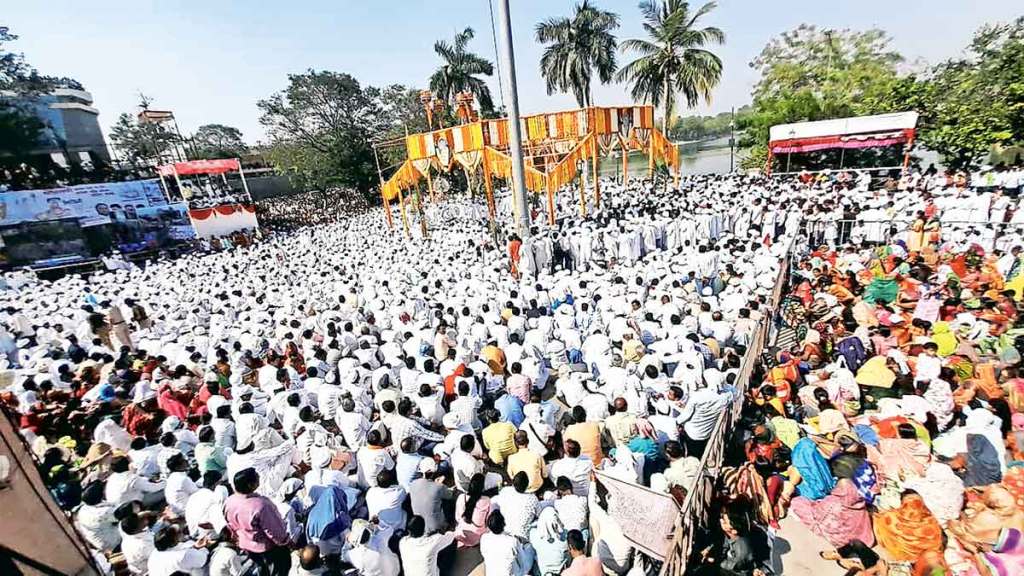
x=555, y=147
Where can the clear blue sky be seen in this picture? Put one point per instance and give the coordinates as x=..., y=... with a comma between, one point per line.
x=211, y=61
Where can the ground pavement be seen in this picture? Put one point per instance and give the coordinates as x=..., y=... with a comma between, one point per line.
x=796, y=552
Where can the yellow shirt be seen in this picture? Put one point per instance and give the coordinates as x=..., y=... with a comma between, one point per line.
x=632, y=350
x=499, y=441
x=526, y=461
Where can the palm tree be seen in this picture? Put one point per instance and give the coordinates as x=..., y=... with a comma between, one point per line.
x=459, y=71
x=575, y=48
x=673, y=58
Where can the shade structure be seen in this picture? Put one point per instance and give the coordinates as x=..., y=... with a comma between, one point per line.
x=855, y=132
x=200, y=167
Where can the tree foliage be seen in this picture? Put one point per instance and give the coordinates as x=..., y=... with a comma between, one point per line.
x=322, y=126
x=703, y=127
x=143, y=144
x=812, y=74
x=576, y=47
x=219, y=141
x=459, y=71
x=674, y=58
x=968, y=105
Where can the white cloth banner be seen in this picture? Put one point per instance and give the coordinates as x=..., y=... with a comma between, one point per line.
x=647, y=518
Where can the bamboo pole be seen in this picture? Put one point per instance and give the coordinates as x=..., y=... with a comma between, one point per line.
x=583, y=189
x=625, y=163
x=551, y=202
x=387, y=205
x=401, y=205
x=650, y=157
x=430, y=185
x=597, y=163
x=489, y=190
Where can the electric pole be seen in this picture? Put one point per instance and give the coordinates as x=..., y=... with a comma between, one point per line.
x=515, y=138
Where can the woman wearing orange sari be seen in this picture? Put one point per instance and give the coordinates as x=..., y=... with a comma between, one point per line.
x=909, y=531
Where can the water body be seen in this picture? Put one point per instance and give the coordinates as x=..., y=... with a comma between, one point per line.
x=710, y=160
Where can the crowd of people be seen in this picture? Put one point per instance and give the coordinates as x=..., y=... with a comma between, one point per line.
x=333, y=399
x=889, y=416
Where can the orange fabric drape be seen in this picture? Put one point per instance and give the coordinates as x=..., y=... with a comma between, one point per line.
x=406, y=177
x=226, y=210
x=500, y=164
x=566, y=170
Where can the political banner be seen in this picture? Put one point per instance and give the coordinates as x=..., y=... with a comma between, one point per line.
x=172, y=217
x=95, y=203
x=647, y=518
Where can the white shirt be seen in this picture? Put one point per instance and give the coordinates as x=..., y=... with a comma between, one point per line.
x=502, y=555
x=419, y=555
x=372, y=562
x=182, y=558
x=206, y=506
x=98, y=525
x=137, y=549
x=127, y=486
x=177, y=491
x=519, y=510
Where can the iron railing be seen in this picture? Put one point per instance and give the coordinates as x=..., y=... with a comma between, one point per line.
x=695, y=513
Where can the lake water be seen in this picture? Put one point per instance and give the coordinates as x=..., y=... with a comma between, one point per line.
x=714, y=161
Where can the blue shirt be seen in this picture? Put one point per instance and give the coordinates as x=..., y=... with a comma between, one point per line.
x=406, y=467
x=511, y=409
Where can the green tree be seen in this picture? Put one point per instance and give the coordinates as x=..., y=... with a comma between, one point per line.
x=321, y=127
x=968, y=105
x=143, y=144
x=459, y=71
x=812, y=74
x=219, y=141
x=576, y=47
x=674, y=59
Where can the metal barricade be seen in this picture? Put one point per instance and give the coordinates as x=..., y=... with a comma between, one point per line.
x=696, y=508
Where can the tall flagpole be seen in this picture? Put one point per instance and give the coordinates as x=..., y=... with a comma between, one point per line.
x=515, y=139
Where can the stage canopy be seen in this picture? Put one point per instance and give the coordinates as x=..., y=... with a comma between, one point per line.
x=857, y=132
x=200, y=167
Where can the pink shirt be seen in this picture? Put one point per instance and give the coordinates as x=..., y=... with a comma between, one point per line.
x=584, y=566
x=519, y=386
x=255, y=521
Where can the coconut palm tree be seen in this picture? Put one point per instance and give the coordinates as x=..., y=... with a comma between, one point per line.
x=673, y=59
x=576, y=47
x=459, y=71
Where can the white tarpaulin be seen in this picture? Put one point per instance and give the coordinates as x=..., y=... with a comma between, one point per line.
x=844, y=126
x=647, y=518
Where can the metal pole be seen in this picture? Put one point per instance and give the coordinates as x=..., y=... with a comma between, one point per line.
x=245, y=186
x=732, y=137
x=515, y=139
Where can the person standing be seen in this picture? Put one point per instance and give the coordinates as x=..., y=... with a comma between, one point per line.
x=514, y=244
x=118, y=327
x=258, y=526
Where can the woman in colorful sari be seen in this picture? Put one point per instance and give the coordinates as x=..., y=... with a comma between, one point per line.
x=908, y=531
x=900, y=458
x=1006, y=557
x=915, y=235
x=816, y=480
x=981, y=523
x=839, y=517
x=942, y=491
